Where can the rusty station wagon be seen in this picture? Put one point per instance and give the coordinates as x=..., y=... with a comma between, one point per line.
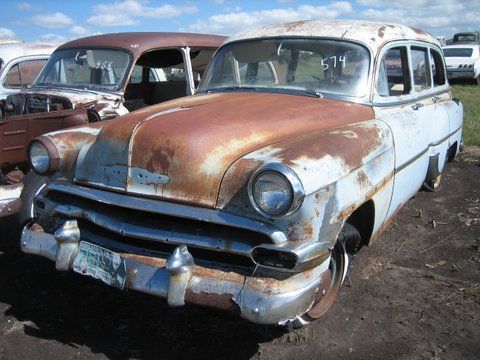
x=251, y=196
x=92, y=79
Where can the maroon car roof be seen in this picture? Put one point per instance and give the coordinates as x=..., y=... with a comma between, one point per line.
x=139, y=42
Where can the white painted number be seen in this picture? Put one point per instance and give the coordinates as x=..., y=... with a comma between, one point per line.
x=333, y=61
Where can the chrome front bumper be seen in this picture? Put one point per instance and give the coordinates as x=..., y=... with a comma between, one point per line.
x=264, y=300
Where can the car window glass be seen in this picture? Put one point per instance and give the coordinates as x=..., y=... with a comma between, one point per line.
x=30, y=69
x=12, y=80
x=458, y=52
x=173, y=73
x=394, y=76
x=254, y=72
x=293, y=65
x=438, y=68
x=136, y=77
x=421, y=72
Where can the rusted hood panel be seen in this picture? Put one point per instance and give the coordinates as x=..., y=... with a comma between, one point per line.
x=180, y=150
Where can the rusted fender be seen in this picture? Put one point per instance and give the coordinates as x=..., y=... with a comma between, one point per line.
x=340, y=169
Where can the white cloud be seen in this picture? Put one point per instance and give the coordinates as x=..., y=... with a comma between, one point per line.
x=105, y=20
x=7, y=33
x=124, y=13
x=52, y=20
x=235, y=21
x=79, y=31
x=442, y=17
x=25, y=6
x=52, y=39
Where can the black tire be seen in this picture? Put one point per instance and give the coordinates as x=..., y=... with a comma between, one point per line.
x=347, y=245
x=32, y=185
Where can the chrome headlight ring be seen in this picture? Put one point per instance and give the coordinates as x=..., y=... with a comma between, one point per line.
x=291, y=178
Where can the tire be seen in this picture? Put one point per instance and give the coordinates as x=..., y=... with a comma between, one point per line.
x=32, y=185
x=347, y=245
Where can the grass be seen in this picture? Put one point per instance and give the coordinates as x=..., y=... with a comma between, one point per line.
x=469, y=95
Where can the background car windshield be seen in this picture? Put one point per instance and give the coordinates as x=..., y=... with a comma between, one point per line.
x=96, y=69
x=458, y=52
x=309, y=65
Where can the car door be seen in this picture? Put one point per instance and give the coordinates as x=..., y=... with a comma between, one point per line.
x=403, y=99
x=17, y=131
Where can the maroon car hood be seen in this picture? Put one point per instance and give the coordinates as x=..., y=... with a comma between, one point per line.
x=180, y=150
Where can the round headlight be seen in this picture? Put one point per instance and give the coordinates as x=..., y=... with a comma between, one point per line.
x=39, y=157
x=275, y=190
x=272, y=193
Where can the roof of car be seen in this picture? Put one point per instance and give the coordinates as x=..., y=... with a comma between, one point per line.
x=373, y=34
x=139, y=42
x=19, y=49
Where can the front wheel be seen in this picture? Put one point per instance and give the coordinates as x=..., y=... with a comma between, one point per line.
x=32, y=185
x=348, y=243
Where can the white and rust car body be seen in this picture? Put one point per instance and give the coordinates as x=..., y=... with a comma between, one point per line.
x=166, y=196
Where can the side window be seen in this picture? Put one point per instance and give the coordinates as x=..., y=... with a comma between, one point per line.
x=30, y=69
x=394, y=75
x=136, y=77
x=421, y=69
x=12, y=80
x=438, y=68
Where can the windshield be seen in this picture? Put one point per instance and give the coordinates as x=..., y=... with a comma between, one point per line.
x=311, y=66
x=95, y=69
x=458, y=52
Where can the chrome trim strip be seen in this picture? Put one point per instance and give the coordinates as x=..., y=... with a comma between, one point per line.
x=171, y=209
x=412, y=99
x=416, y=157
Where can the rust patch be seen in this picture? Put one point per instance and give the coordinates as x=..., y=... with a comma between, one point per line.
x=219, y=301
x=363, y=179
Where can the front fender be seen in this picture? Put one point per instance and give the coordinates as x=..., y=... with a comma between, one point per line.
x=339, y=168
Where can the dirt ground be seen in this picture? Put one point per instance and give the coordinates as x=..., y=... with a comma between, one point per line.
x=414, y=294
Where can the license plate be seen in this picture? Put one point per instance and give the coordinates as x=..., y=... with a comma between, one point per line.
x=100, y=263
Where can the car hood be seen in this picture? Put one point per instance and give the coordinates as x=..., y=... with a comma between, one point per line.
x=181, y=149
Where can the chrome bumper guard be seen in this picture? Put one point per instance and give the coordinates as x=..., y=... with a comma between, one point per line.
x=262, y=300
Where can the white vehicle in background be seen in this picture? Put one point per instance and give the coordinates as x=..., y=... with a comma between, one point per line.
x=20, y=63
x=463, y=61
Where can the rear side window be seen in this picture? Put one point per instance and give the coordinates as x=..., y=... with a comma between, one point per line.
x=394, y=75
x=421, y=70
x=12, y=80
x=30, y=69
x=438, y=68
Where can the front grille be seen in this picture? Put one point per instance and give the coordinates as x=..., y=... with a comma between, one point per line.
x=162, y=233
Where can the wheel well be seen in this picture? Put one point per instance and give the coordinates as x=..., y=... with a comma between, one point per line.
x=452, y=151
x=363, y=219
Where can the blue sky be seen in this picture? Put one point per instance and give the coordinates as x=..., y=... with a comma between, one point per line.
x=58, y=21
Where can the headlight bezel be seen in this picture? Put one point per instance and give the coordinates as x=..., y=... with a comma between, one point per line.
x=291, y=178
x=53, y=156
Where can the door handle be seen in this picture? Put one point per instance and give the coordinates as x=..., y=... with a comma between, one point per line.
x=417, y=106
x=436, y=99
